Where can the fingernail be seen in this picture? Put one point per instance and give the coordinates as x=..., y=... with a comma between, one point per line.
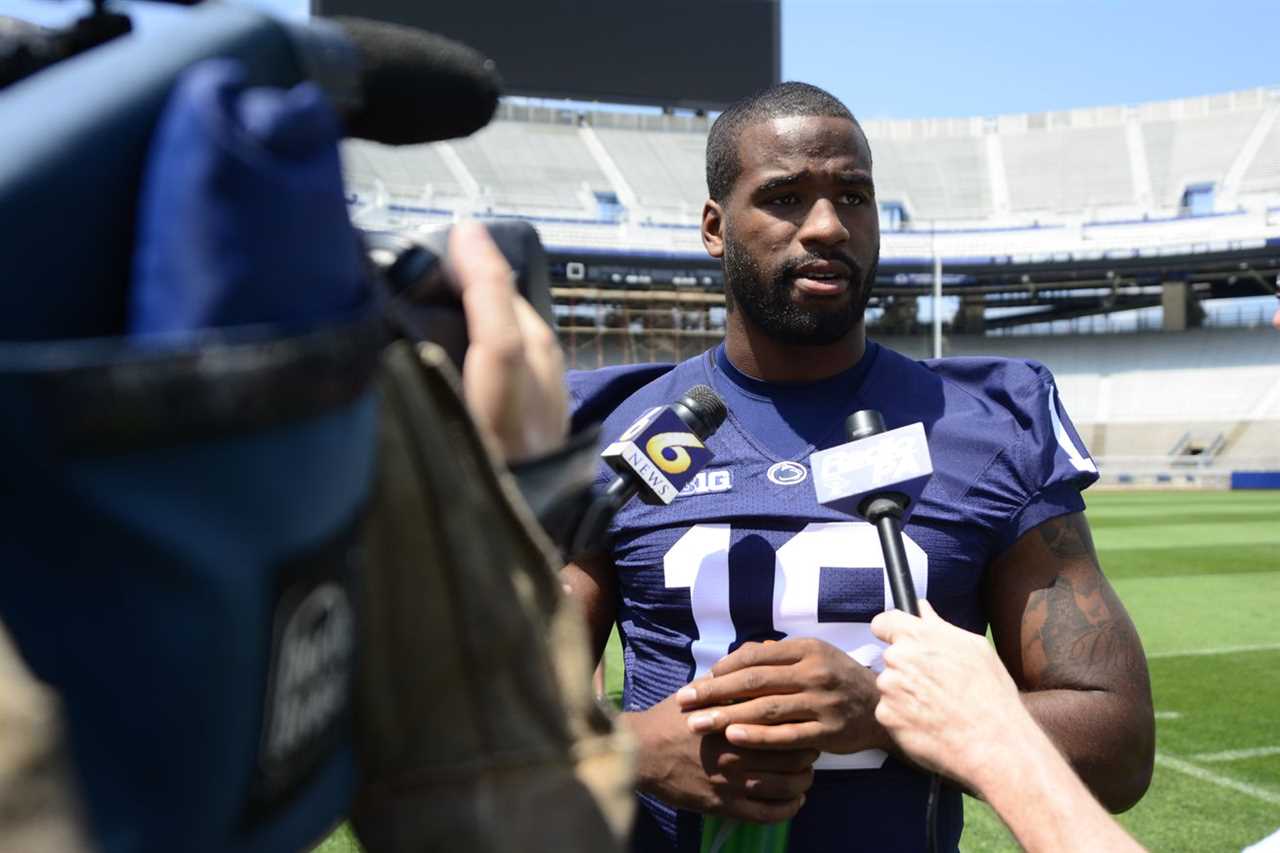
x=732, y=732
x=702, y=722
x=687, y=694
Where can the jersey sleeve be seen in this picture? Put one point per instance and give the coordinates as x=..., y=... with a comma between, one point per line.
x=595, y=394
x=1045, y=466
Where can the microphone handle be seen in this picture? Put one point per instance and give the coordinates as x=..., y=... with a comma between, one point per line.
x=621, y=490
x=591, y=529
x=895, y=564
x=885, y=512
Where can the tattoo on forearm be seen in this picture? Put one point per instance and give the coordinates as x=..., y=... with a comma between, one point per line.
x=1081, y=640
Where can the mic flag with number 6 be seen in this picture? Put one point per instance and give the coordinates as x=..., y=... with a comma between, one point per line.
x=662, y=451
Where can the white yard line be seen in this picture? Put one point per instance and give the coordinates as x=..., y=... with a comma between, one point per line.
x=1168, y=715
x=1237, y=754
x=1219, y=650
x=1185, y=767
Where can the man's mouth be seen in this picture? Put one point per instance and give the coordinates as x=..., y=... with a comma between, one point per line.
x=823, y=278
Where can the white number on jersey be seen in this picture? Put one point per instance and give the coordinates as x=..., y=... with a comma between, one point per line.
x=699, y=561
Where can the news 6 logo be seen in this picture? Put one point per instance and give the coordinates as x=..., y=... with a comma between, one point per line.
x=666, y=440
x=662, y=450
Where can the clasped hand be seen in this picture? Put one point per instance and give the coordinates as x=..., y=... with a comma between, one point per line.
x=797, y=693
x=742, y=741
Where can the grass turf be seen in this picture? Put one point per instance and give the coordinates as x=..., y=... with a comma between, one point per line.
x=1200, y=575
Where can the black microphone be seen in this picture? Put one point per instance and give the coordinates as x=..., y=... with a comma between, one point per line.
x=392, y=84
x=878, y=475
x=403, y=85
x=76, y=136
x=654, y=457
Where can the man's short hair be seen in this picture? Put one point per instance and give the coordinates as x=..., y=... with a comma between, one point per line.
x=780, y=101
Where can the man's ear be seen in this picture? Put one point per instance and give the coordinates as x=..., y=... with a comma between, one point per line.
x=713, y=228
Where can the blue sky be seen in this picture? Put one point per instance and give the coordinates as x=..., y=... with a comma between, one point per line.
x=914, y=58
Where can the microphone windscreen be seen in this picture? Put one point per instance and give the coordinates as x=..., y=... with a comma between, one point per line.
x=418, y=86
x=707, y=406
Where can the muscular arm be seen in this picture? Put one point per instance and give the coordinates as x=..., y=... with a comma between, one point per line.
x=1073, y=651
x=592, y=582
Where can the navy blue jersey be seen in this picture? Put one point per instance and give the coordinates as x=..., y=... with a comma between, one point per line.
x=746, y=553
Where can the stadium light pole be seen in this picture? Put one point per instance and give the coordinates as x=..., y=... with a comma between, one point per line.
x=937, y=292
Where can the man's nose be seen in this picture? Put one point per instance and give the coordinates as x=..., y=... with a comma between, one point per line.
x=823, y=226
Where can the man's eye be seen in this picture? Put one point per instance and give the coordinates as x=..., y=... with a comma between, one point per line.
x=784, y=200
x=854, y=199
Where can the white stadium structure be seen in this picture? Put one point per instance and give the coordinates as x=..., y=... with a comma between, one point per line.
x=1039, y=222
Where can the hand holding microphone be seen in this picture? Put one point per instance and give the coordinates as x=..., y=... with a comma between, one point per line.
x=945, y=696
x=951, y=705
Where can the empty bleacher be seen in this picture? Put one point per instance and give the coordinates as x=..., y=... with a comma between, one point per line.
x=1185, y=151
x=410, y=173
x=931, y=176
x=1156, y=401
x=664, y=168
x=1078, y=169
x=533, y=166
x=1262, y=177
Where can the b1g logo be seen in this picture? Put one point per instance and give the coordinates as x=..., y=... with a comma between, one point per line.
x=709, y=482
x=662, y=451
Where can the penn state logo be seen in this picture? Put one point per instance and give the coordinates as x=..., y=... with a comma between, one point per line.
x=787, y=473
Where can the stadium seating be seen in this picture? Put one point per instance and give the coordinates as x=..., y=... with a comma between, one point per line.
x=1191, y=141
x=412, y=173
x=1064, y=170
x=1198, y=398
x=1097, y=180
x=1262, y=178
x=933, y=175
x=664, y=168
x=532, y=166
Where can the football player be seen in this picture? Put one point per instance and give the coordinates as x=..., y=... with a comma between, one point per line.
x=733, y=725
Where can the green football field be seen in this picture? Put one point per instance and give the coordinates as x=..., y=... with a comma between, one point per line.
x=1200, y=574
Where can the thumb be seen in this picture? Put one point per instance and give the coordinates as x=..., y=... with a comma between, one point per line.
x=892, y=625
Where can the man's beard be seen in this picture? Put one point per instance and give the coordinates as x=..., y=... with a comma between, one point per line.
x=768, y=304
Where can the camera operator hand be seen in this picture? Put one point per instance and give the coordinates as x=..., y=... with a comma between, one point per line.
x=513, y=373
